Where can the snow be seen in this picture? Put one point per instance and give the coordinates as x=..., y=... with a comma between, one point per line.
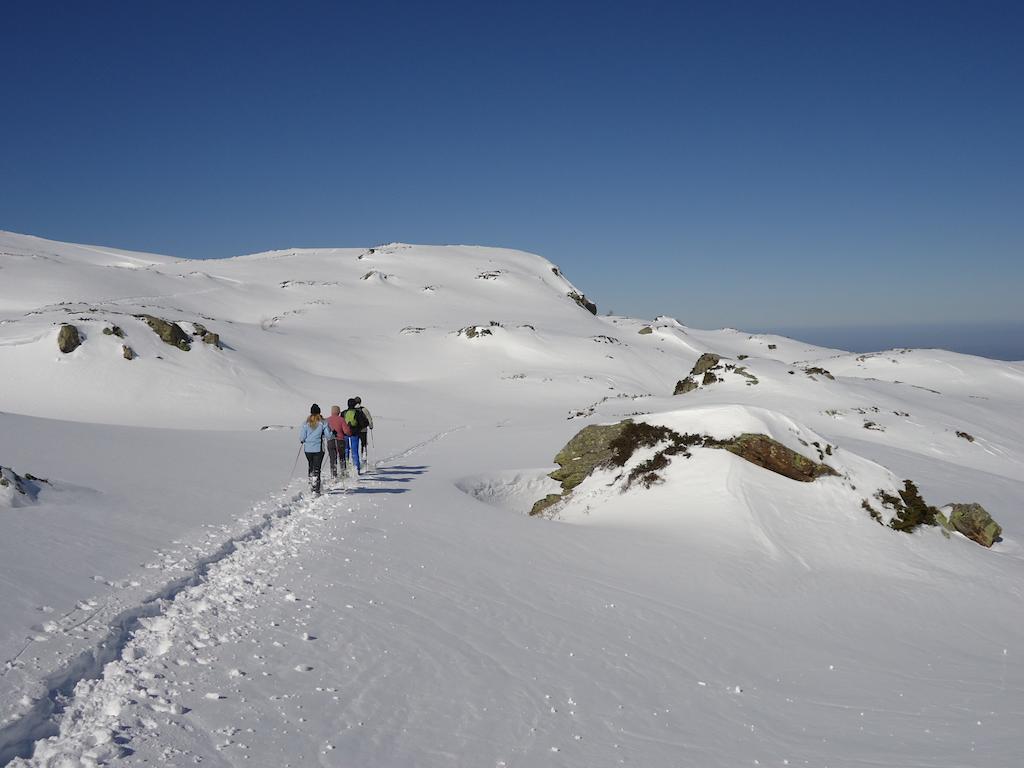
x=171, y=595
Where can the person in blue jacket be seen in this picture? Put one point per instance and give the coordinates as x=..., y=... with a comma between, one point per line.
x=314, y=431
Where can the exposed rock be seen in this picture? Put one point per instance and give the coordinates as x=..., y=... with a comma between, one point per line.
x=709, y=378
x=474, y=331
x=68, y=339
x=772, y=346
x=198, y=329
x=816, y=371
x=128, y=352
x=114, y=330
x=645, y=330
x=774, y=456
x=583, y=301
x=169, y=333
x=704, y=363
x=212, y=338
x=975, y=523
x=965, y=435
x=614, y=445
x=685, y=385
x=591, y=447
x=27, y=487
x=548, y=501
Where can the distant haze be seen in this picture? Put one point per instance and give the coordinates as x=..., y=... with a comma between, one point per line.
x=996, y=341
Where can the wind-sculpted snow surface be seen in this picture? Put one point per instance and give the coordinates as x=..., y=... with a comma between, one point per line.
x=168, y=598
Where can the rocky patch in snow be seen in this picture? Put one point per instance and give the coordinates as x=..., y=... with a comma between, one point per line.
x=710, y=369
x=169, y=333
x=17, y=490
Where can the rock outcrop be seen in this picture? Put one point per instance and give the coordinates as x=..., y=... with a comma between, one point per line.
x=685, y=385
x=68, y=339
x=591, y=447
x=169, y=333
x=583, y=301
x=613, y=445
x=774, y=456
x=705, y=363
x=974, y=522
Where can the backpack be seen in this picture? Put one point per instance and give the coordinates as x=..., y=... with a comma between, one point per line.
x=356, y=419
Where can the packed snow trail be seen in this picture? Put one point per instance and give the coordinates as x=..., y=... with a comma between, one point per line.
x=149, y=630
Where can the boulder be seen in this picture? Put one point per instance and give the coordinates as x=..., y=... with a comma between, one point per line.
x=169, y=333
x=774, y=456
x=583, y=301
x=114, y=330
x=975, y=523
x=128, y=352
x=548, y=501
x=591, y=447
x=704, y=363
x=68, y=339
x=212, y=338
x=685, y=385
x=709, y=378
x=645, y=330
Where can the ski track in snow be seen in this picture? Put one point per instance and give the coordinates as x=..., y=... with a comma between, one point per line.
x=79, y=722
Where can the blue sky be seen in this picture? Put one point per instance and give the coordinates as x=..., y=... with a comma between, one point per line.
x=748, y=164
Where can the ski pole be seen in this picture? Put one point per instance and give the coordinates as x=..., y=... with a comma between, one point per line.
x=296, y=463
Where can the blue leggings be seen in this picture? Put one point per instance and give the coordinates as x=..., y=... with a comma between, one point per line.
x=352, y=451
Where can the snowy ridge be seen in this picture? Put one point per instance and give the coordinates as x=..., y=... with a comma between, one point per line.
x=169, y=603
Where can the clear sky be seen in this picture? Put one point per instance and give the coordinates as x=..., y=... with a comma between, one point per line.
x=753, y=164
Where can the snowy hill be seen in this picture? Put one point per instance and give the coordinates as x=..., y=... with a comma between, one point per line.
x=718, y=613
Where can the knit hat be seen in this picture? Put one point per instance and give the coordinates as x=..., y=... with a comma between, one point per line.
x=358, y=399
x=314, y=408
x=351, y=402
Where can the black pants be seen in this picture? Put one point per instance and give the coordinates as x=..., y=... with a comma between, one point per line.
x=362, y=442
x=315, y=460
x=336, y=451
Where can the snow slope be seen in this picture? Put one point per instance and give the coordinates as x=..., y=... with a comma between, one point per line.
x=202, y=607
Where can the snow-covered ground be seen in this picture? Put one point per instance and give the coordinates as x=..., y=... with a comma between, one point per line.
x=169, y=595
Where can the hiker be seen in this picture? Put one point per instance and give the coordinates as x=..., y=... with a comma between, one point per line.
x=356, y=422
x=363, y=434
x=314, y=431
x=336, y=445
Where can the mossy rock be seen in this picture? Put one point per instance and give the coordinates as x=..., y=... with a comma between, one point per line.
x=169, y=333
x=591, y=447
x=685, y=385
x=114, y=330
x=975, y=523
x=68, y=339
x=548, y=501
x=645, y=330
x=705, y=363
x=774, y=456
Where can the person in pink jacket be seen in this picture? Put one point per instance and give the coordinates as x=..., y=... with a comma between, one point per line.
x=336, y=447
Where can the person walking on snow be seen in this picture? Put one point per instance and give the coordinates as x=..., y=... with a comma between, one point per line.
x=312, y=435
x=356, y=421
x=336, y=446
x=363, y=434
